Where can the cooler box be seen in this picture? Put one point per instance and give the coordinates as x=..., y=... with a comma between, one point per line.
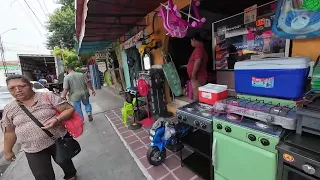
x=277, y=77
x=210, y=93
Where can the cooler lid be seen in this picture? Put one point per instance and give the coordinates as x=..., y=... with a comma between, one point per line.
x=213, y=88
x=274, y=63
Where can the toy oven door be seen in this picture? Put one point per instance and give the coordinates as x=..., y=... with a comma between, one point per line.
x=291, y=173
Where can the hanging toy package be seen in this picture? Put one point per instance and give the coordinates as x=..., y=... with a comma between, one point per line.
x=297, y=19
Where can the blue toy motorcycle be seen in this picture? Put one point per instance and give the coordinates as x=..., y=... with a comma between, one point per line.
x=165, y=134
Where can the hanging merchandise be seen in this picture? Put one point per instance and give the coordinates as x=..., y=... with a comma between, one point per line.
x=94, y=72
x=148, y=47
x=171, y=74
x=173, y=22
x=143, y=89
x=297, y=19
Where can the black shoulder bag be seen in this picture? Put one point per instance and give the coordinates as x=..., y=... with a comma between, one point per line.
x=66, y=147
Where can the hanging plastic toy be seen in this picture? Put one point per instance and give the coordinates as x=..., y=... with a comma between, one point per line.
x=198, y=21
x=297, y=19
x=173, y=22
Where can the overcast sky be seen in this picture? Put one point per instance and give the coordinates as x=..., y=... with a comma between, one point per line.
x=30, y=36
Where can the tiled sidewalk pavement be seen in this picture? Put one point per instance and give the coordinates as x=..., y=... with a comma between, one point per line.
x=137, y=143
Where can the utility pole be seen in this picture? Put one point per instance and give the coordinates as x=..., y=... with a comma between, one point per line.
x=3, y=58
x=2, y=52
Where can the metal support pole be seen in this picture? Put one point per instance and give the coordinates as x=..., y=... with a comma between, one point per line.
x=3, y=58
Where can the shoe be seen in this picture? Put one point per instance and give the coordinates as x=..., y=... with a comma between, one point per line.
x=90, y=118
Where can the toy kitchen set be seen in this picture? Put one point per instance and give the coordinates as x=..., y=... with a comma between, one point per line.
x=269, y=131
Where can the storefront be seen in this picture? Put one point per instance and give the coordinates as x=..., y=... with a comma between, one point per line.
x=253, y=132
x=220, y=11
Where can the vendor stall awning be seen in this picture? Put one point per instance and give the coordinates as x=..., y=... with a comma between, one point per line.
x=101, y=22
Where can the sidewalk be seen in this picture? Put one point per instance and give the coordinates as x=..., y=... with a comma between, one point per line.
x=103, y=155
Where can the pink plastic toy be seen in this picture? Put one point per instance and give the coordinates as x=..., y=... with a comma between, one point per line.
x=173, y=22
x=198, y=21
x=174, y=26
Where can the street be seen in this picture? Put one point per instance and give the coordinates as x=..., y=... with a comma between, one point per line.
x=103, y=155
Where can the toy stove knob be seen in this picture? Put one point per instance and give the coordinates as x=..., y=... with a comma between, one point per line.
x=184, y=118
x=219, y=126
x=197, y=123
x=227, y=129
x=180, y=117
x=252, y=137
x=265, y=142
x=308, y=169
x=203, y=125
x=270, y=118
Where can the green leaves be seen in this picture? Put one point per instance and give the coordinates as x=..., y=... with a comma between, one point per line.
x=67, y=56
x=61, y=26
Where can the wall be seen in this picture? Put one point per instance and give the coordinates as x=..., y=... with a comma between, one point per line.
x=309, y=47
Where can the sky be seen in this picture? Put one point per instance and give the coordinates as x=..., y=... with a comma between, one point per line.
x=30, y=35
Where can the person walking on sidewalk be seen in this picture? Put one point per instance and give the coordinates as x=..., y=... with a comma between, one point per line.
x=19, y=127
x=78, y=85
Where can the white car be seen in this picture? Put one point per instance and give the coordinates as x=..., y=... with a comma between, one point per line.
x=5, y=96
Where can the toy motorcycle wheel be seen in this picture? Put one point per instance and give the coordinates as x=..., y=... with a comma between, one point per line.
x=155, y=156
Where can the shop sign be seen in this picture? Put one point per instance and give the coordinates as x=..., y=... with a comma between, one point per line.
x=132, y=41
x=250, y=14
x=101, y=55
x=102, y=66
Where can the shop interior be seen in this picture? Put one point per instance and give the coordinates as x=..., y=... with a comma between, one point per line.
x=180, y=49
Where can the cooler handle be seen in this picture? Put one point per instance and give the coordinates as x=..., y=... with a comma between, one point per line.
x=214, y=144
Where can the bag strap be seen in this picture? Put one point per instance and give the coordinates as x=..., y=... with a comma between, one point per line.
x=48, y=99
x=35, y=120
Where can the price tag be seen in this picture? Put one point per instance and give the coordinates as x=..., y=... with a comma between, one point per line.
x=260, y=22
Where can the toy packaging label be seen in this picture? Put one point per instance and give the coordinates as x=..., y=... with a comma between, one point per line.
x=263, y=82
x=206, y=95
x=297, y=19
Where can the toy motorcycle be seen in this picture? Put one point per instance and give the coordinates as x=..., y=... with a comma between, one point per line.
x=164, y=134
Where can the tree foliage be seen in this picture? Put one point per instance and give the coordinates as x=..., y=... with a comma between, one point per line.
x=67, y=56
x=61, y=26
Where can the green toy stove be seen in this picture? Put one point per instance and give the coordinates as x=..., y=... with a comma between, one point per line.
x=244, y=149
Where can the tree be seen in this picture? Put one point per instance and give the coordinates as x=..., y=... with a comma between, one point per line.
x=61, y=26
x=68, y=56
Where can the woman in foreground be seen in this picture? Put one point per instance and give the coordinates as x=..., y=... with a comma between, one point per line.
x=18, y=126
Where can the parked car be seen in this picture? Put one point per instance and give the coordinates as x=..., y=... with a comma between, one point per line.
x=5, y=96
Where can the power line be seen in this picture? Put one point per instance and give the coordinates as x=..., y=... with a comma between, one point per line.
x=45, y=14
x=45, y=6
x=32, y=20
x=34, y=13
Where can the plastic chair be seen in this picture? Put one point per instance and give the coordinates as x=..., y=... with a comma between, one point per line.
x=128, y=110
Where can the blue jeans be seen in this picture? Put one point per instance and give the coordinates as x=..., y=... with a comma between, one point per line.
x=87, y=105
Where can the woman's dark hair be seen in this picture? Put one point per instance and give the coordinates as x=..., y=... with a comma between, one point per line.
x=197, y=37
x=18, y=76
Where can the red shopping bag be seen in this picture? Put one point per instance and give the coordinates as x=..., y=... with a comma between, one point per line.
x=74, y=125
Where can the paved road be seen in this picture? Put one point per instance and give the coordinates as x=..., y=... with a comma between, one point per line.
x=103, y=155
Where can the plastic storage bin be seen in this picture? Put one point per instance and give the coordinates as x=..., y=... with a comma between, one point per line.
x=210, y=93
x=274, y=77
